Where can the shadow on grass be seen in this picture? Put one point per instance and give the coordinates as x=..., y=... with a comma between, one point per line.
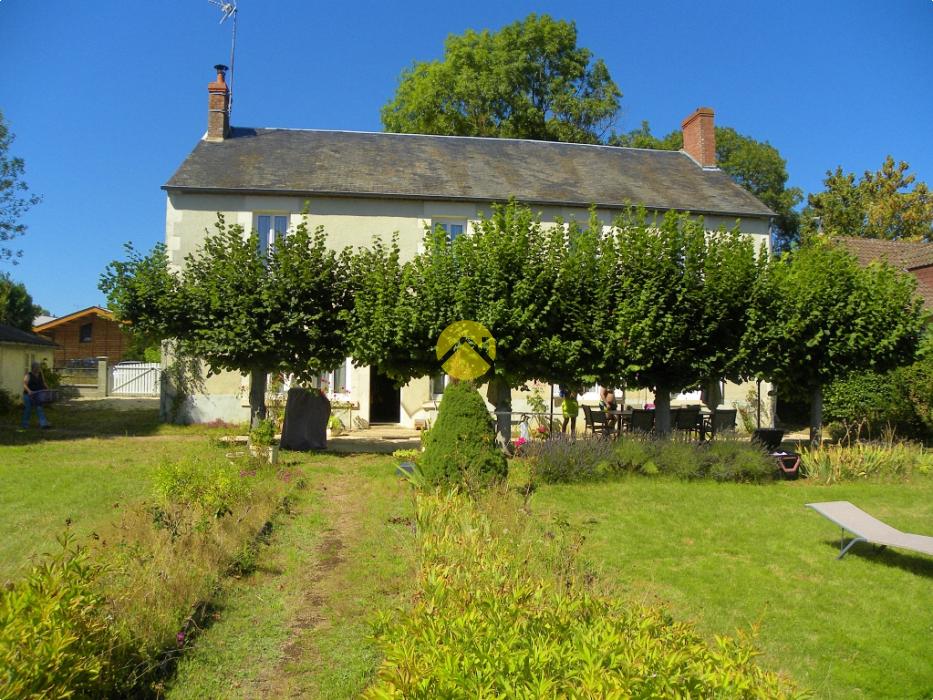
x=896, y=558
x=89, y=419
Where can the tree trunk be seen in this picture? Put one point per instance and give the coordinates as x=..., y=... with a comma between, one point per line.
x=662, y=411
x=816, y=417
x=500, y=396
x=257, y=396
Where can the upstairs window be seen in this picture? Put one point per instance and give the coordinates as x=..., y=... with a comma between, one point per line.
x=451, y=228
x=270, y=227
x=85, y=332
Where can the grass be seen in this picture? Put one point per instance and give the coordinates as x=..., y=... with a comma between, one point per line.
x=300, y=626
x=79, y=475
x=731, y=556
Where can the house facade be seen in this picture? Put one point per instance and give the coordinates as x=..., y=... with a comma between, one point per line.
x=83, y=336
x=361, y=185
x=18, y=350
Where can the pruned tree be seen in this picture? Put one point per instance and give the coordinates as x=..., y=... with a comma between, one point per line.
x=681, y=307
x=880, y=204
x=815, y=315
x=15, y=199
x=528, y=80
x=241, y=308
x=504, y=276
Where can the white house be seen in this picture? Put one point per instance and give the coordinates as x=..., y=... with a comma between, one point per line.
x=359, y=185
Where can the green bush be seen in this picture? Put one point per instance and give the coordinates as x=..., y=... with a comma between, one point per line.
x=486, y=624
x=461, y=447
x=868, y=402
x=54, y=637
x=731, y=460
x=212, y=488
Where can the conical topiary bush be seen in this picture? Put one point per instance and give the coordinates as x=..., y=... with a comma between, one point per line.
x=461, y=446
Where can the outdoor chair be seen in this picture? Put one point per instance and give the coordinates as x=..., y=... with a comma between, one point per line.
x=865, y=528
x=722, y=421
x=595, y=421
x=642, y=421
x=687, y=419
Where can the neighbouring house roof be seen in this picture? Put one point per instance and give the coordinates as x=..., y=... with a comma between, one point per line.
x=904, y=255
x=98, y=311
x=42, y=320
x=9, y=334
x=411, y=166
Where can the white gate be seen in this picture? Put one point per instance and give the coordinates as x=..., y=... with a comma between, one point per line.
x=135, y=379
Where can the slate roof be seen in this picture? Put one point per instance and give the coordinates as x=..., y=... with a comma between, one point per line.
x=344, y=163
x=9, y=334
x=904, y=255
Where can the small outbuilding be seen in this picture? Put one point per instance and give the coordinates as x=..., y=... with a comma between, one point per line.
x=18, y=350
x=83, y=336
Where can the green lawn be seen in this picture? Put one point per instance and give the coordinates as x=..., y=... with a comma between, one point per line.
x=732, y=556
x=81, y=473
x=726, y=556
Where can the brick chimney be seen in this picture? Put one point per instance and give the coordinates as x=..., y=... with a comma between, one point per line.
x=218, y=107
x=700, y=136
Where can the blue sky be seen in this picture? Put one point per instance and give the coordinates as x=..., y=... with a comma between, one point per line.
x=108, y=97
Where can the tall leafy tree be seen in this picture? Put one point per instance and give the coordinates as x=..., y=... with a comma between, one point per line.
x=504, y=276
x=815, y=315
x=15, y=199
x=16, y=305
x=681, y=307
x=529, y=80
x=755, y=165
x=240, y=308
x=880, y=204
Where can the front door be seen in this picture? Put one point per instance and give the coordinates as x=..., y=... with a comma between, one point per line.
x=384, y=399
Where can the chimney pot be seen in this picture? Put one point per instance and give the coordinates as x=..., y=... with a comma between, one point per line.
x=218, y=106
x=700, y=136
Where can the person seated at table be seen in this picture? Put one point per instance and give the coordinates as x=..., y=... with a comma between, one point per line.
x=569, y=408
x=607, y=403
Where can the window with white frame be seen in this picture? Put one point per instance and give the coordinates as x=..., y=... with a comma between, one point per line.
x=336, y=382
x=451, y=227
x=270, y=228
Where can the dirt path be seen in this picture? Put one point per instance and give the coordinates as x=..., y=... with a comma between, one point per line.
x=301, y=625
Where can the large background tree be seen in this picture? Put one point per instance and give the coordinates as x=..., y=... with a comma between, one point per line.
x=240, y=308
x=16, y=305
x=529, y=80
x=880, y=204
x=15, y=199
x=755, y=165
x=815, y=315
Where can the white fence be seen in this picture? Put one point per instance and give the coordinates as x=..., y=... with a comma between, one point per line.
x=135, y=378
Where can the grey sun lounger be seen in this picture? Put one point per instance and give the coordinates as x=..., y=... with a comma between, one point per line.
x=868, y=529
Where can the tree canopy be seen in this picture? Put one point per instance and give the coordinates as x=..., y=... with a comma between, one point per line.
x=755, y=165
x=240, y=308
x=682, y=304
x=816, y=315
x=16, y=305
x=880, y=204
x=528, y=80
x=15, y=199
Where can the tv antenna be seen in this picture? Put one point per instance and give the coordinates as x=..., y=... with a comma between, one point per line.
x=229, y=11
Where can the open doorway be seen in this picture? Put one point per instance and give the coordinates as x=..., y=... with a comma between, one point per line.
x=384, y=399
